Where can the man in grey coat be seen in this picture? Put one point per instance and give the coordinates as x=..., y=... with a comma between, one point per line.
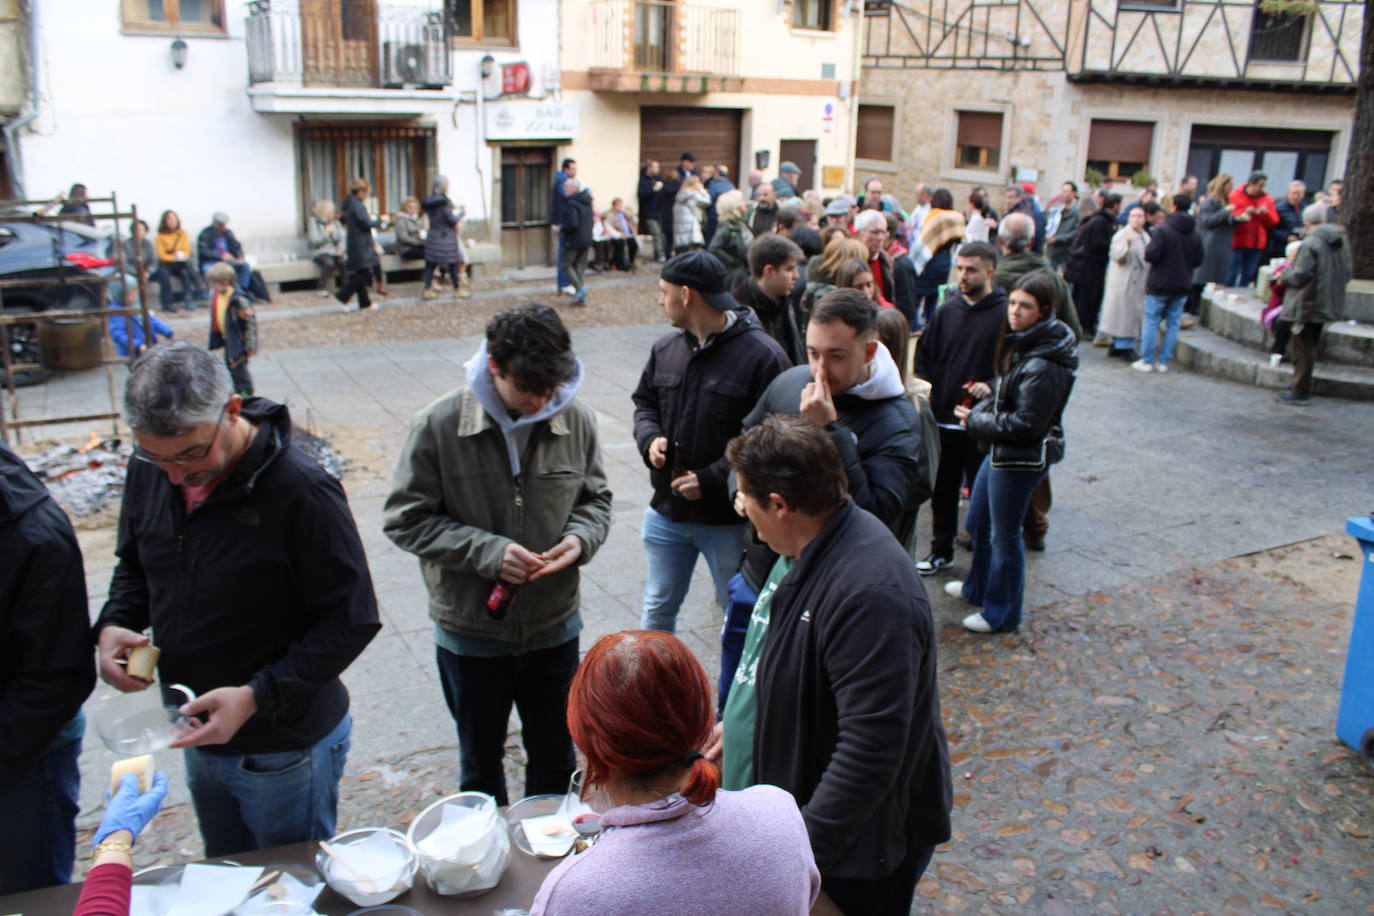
x=501, y=494
x=1315, y=296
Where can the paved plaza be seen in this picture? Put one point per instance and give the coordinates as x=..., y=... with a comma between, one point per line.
x=1156, y=738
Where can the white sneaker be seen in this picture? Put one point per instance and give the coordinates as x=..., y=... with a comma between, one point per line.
x=976, y=623
x=1275, y=359
x=1161, y=368
x=569, y=290
x=1141, y=366
x=955, y=589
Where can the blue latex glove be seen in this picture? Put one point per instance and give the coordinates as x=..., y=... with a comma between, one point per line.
x=128, y=810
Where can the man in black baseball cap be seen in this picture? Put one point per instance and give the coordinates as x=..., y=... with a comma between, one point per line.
x=700, y=382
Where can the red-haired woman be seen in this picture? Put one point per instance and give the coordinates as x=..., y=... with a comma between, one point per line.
x=640, y=710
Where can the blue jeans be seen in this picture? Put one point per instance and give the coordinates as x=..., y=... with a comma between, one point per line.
x=1169, y=308
x=997, y=579
x=672, y=548
x=39, y=847
x=244, y=273
x=254, y=801
x=480, y=691
x=732, y=634
x=1244, y=266
x=558, y=262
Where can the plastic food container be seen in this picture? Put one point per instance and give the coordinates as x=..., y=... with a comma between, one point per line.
x=367, y=868
x=537, y=806
x=462, y=844
x=131, y=724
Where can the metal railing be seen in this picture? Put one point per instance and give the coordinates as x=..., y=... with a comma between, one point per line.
x=659, y=36
x=392, y=46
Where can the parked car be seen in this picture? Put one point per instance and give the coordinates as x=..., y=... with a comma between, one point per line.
x=64, y=250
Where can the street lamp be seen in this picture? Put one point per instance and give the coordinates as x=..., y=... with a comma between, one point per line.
x=179, y=49
x=488, y=65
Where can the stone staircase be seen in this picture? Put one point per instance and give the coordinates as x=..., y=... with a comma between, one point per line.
x=1229, y=342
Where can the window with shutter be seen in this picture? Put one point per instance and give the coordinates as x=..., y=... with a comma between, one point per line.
x=873, y=138
x=979, y=143
x=1119, y=149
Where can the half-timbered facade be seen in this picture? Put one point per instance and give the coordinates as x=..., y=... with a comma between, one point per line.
x=965, y=92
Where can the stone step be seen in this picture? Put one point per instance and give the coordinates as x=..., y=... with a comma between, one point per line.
x=1234, y=314
x=1211, y=354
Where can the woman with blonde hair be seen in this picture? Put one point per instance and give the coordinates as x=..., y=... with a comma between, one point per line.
x=822, y=272
x=732, y=238
x=1214, y=228
x=689, y=212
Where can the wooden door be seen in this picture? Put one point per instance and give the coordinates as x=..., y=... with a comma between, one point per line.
x=526, y=186
x=803, y=153
x=339, y=42
x=710, y=134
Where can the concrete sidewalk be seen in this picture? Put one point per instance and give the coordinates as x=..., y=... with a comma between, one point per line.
x=1162, y=473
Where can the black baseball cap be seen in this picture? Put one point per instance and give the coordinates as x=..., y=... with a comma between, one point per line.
x=703, y=272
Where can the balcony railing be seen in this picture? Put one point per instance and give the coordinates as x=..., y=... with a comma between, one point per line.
x=661, y=37
x=357, y=44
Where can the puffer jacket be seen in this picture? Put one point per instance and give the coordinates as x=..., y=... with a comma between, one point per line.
x=689, y=212
x=1029, y=399
x=1317, y=278
x=442, y=245
x=455, y=505
x=731, y=243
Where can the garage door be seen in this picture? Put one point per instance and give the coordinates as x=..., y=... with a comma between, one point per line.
x=711, y=134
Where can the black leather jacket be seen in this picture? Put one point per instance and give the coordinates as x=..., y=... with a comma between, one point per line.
x=1029, y=399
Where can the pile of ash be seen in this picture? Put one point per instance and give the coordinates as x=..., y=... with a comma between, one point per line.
x=84, y=479
x=318, y=447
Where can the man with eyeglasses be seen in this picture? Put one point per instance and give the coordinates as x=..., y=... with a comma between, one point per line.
x=241, y=554
x=500, y=492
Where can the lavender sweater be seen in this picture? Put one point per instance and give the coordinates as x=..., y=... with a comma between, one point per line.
x=746, y=854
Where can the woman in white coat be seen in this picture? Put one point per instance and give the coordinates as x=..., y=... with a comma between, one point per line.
x=1123, y=304
x=689, y=211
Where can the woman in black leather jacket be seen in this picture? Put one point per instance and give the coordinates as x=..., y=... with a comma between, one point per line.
x=1020, y=427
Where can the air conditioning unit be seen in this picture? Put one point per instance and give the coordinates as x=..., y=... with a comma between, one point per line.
x=414, y=65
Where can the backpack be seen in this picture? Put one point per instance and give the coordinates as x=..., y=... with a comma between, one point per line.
x=247, y=321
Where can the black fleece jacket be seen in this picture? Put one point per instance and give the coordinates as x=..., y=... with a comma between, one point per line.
x=1174, y=253
x=960, y=345
x=265, y=584
x=848, y=714
x=46, y=666
x=697, y=397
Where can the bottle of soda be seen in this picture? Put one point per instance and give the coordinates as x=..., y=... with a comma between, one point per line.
x=967, y=399
x=500, y=599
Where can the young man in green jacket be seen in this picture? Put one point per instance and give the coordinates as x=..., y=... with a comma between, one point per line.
x=501, y=494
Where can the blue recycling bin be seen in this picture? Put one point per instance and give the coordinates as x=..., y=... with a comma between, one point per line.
x=1355, y=718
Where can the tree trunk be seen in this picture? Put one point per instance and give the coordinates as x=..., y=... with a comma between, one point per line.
x=1357, y=201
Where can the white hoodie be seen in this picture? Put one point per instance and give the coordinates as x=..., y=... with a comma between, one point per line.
x=516, y=430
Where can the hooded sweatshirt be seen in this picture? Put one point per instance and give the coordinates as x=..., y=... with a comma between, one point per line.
x=1174, y=252
x=514, y=426
x=877, y=433
x=960, y=345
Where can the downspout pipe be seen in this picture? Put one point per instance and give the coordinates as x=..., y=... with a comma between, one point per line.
x=12, y=156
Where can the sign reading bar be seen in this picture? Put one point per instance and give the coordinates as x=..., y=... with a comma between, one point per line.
x=530, y=120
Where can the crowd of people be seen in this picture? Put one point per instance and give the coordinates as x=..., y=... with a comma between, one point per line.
x=788, y=435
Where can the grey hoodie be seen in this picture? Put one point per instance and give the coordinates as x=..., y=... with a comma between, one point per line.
x=516, y=429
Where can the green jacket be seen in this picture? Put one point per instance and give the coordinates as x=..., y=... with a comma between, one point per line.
x=1315, y=282
x=731, y=244
x=1011, y=267
x=454, y=504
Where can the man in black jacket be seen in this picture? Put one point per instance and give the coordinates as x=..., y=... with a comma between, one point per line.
x=241, y=554
x=576, y=243
x=45, y=675
x=959, y=347
x=843, y=701
x=650, y=206
x=1086, y=269
x=773, y=262
x=692, y=397
x=1173, y=254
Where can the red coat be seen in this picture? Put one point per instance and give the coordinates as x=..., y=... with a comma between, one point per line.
x=1254, y=232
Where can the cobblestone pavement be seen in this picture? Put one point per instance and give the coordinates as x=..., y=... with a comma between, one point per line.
x=1156, y=739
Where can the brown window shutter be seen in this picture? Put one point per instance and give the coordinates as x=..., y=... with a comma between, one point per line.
x=1120, y=141
x=980, y=128
x=874, y=136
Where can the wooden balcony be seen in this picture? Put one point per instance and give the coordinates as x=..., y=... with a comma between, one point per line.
x=661, y=46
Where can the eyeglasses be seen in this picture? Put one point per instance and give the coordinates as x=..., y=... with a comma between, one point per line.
x=184, y=458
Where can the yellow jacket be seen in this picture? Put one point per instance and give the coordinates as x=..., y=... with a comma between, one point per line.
x=169, y=243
